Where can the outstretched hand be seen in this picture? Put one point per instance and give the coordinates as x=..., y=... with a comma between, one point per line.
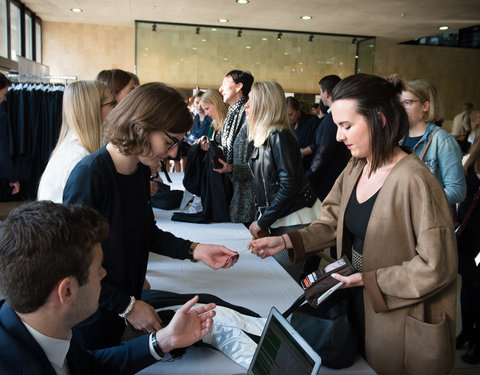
x=215, y=256
x=354, y=279
x=267, y=246
x=187, y=326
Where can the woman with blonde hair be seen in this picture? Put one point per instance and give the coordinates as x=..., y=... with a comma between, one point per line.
x=144, y=128
x=81, y=134
x=284, y=199
x=433, y=145
x=214, y=106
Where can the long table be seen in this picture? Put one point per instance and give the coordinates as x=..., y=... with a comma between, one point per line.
x=253, y=283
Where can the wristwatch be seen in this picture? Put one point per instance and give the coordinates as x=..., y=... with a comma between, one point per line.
x=193, y=246
x=156, y=347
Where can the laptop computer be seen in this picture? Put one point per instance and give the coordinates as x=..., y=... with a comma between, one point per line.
x=282, y=350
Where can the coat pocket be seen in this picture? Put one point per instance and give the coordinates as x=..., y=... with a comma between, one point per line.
x=428, y=347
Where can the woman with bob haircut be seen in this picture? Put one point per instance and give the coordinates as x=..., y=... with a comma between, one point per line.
x=234, y=143
x=284, y=199
x=389, y=215
x=434, y=145
x=214, y=106
x=144, y=128
x=81, y=134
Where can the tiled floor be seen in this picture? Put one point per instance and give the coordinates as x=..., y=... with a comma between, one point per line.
x=462, y=368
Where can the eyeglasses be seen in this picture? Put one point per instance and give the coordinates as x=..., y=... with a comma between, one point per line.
x=175, y=141
x=408, y=103
x=112, y=104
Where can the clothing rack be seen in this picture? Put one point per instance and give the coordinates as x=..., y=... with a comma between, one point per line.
x=40, y=78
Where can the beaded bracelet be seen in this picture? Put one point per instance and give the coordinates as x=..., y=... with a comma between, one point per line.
x=129, y=308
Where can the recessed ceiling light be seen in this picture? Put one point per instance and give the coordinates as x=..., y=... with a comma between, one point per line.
x=248, y=47
x=204, y=40
x=213, y=29
x=76, y=10
x=225, y=58
x=222, y=20
x=194, y=48
x=146, y=49
x=285, y=53
x=443, y=28
x=242, y=1
x=264, y=38
x=306, y=17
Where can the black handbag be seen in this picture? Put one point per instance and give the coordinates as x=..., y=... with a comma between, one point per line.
x=326, y=326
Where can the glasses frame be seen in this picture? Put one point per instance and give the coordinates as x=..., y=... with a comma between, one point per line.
x=175, y=141
x=408, y=103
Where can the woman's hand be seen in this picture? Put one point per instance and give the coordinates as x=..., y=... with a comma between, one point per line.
x=268, y=246
x=203, y=143
x=227, y=168
x=254, y=229
x=350, y=281
x=215, y=256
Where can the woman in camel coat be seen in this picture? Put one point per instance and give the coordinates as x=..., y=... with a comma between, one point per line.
x=403, y=246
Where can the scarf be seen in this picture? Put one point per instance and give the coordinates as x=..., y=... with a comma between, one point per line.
x=231, y=127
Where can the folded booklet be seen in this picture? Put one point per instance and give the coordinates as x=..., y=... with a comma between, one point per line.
x=319, y=285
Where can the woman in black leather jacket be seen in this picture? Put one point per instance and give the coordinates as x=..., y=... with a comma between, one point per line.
x=284, y=198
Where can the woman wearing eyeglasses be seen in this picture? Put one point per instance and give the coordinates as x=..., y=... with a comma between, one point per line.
x=434, y=145
x=85, y=107
x=144, y=128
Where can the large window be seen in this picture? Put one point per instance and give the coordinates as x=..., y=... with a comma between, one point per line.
x=3, y=29
x=15, y=32
x=28, y=37
x=38, y=42
x=187, y=56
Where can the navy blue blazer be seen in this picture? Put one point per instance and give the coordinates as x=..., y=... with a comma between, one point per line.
x=21, y=354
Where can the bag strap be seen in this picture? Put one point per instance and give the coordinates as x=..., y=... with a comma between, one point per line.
x=428, y=144
x=299, y=302
x=460, y=229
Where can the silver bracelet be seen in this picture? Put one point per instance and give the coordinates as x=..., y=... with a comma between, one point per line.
x=129, y=308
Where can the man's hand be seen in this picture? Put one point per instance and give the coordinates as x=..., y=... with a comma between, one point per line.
x=215, y=256
x=187, y=326
x=15, y=187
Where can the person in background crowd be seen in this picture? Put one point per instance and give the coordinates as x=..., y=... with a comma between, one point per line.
x=315, y=109
x=323, y=110
x=143, y=129
x=389, y=215
x=201, y=121
x=461, y=123
x=50, y=274
x=433, y=145
x=304, y=126
x=468, y=249
x=119, y=82
x=214, y=107
x=86, y=104
x=284, y=199
x=236, y=148
x=9, y=184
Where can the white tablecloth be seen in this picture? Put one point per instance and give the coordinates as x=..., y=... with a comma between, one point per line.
x=253, y=283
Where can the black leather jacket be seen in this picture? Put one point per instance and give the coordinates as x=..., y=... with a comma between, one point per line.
x=280, y=184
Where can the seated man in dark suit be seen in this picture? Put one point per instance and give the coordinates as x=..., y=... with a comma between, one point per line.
x=50, y=273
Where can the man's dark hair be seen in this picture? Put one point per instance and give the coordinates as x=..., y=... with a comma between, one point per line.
x=468, y=106
x=40, y=244
x=375, y=96
x=242, y=76
x=328, y=83
x=4, y=82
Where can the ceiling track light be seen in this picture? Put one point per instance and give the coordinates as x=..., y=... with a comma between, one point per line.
x=239, y=33
x=279, y=35
x=310, y=38
x=354, y=41
x=197, y=30
x=154, y=27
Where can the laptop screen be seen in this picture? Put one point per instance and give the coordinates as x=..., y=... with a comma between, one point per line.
x=283, y=351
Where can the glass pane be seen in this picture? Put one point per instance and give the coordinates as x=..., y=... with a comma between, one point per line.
x=189, y=59
x=28, y=37
x=3, y=29
x=38, y=42
x=15, y=33
x=366, y=56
